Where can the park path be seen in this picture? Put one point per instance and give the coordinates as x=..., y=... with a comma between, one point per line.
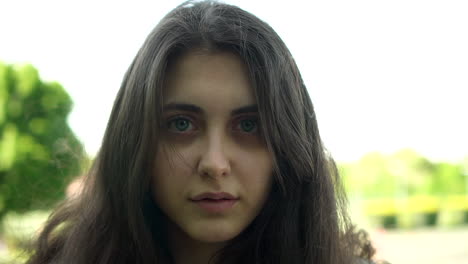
x=425, y=246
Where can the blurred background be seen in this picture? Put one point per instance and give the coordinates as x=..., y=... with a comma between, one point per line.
x=388, y=79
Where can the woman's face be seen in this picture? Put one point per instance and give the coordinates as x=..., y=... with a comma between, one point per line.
x=212, y=170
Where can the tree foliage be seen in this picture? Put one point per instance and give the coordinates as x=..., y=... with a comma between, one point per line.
x=39, y=154
x=403, y=174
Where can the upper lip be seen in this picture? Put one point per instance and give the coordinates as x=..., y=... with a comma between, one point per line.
x=214, y=196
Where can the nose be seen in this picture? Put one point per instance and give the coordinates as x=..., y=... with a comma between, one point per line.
x=214, y=161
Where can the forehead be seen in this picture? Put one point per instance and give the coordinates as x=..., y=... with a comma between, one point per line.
x=202, y=78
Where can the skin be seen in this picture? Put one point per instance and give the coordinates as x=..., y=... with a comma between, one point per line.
x=208, y=148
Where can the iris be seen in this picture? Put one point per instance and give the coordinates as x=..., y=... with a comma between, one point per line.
x=248, y=125
x=179, y=124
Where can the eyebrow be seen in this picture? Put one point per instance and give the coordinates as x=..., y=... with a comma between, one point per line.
x=198, y=110
x=245, y=109
x=183, y=107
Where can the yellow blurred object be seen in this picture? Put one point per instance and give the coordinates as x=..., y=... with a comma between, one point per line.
x=456, y=203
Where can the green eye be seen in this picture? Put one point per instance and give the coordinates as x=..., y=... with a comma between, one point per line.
x=248, y=125
x=179, y=124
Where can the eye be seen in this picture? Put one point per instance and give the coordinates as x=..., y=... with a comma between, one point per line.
x=179, y=124
x=248, y=125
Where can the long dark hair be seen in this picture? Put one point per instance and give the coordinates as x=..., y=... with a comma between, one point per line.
x=114, y=220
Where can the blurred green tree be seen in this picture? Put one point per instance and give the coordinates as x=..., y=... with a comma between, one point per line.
x=369, y=177
x=39, y=154
x=450, y=179
x=415, y=174
x=403, y=174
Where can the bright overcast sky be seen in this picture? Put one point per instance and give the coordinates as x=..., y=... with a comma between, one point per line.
x=383, y=75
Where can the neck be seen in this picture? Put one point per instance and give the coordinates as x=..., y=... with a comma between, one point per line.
x=186, y=250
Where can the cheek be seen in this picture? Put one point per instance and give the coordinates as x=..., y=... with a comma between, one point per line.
x=170, y=174
x=256, y=170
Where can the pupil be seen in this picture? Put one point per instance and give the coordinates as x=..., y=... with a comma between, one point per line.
x=181, y=124
x=247, y=125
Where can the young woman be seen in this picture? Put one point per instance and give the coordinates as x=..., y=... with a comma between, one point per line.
x=211, y=155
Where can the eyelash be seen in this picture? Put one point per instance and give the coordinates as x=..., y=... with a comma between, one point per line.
x=248, y=118
x=171, y=122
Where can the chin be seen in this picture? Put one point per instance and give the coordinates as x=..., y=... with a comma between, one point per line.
x=214, y=238
x=214, y=234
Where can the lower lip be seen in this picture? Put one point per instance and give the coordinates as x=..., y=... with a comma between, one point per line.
x=216, y=206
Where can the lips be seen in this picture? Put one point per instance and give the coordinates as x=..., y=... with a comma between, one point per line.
x=215, y=202
x=214, y=196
